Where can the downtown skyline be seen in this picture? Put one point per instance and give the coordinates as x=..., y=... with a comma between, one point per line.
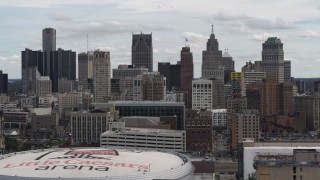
x=239, y=27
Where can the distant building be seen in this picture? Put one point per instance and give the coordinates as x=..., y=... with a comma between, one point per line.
x=219, y=117
x=149, y=108
x=2, y=145
x=208, y=94
x=44, y=86
x=48, y=39
x=44, y=126
x=228, y=62
x=301, y=86
x=3, y=83
x=301, y=165
x=86, y=127
x=199, y=130
x=85, y=70
x=311, y=106
x=154, y=87
x=172, y=74
x=68, y=101
x=142, y=138
x=273, y=59
x=137, y=88
x=101, y=76
x=244, y=125
x=187, y=73
x=212, y=65
x=67, y=86
x=142, y=51
x=316, y=86
x=126, y=74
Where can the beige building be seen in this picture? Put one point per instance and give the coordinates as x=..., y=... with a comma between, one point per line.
x=4, y=98
x=137, y=88
x=303, y=164
x=101, y=76
x=66, y=86
x=68, y=101
x=86, y=127
x=44, y=86
x=244, y=125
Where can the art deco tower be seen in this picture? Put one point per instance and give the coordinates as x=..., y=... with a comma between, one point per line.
x=142, y=51
x=212, y=65
x=273, y=59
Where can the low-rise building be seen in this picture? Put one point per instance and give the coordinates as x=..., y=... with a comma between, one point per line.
x=219, y=117
x=86, y=127
x=143, y=138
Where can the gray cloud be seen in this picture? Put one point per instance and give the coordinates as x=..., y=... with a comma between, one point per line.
x=58, y=16
x=110, y=27
x=14, y=59
x=253, y=22
x=194, y=37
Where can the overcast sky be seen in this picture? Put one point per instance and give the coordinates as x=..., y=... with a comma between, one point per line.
x=239, y=25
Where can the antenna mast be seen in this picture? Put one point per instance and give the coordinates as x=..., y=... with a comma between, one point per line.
x=87, y=43
x=212, y=29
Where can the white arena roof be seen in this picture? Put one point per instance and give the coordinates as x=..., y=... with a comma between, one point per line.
x=77, y=163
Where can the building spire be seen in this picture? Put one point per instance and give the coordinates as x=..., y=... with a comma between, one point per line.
x=212, y=29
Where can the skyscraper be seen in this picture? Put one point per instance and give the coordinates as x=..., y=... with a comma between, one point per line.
x=212, y=59
x=101, y=76
x=3, y=83
x=154, y=87
x=62, y=65
x=31, y=66
x=186, y=75
x=273, y=59
x=85, y=70
x=48, y=39
x=142, y=51
x=172, y=72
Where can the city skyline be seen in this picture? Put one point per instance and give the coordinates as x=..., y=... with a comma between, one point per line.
x=239, y=27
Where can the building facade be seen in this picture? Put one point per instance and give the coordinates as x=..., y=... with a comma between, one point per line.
x=87, y=127
x=244, y=125
x=143, y=138
x=219, y=117
x=199, y=131
x=43, y=86
x=101, y=76
x=85, y=70
x=187, y=73
x=142, y=51
x=149, y=108
x=3, y=83
x=212, y=58
x=154, y=87
x=273, y=59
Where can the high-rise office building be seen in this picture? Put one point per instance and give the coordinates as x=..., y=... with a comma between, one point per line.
x=85, y=70
x=142, y=51
x=48, y=39
x=273, y=59
x=287, y=71
x=301, y=86
x=101, y=76
x=3, y=83
x=187, y=72
x=31, y=65
x=172, y=73
x=228, y=62
x=316, y=86
x=212, y=59
x=62, y=65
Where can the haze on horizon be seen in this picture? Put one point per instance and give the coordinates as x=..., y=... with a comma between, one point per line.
x=241, y=27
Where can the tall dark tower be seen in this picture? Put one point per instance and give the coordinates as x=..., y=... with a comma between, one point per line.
x=186, y=75
x=3, y=83
x=142, y=51
x=48, y=39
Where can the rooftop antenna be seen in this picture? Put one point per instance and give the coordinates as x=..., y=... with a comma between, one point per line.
x=87, y=42
x=185, y=42
x=212, y=29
